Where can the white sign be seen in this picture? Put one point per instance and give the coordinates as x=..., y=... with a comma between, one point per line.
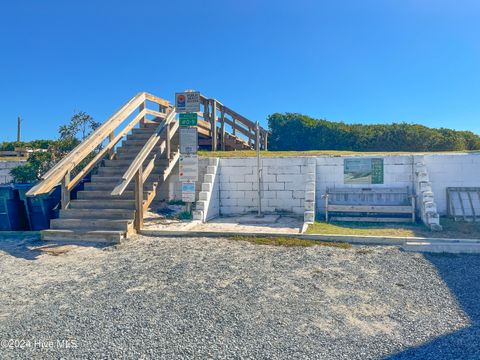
x=188, y=140
x=187, y=101
x=188, y=192
x=188, y=167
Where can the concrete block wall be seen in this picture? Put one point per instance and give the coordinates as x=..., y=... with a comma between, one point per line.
x=208, y=203
x=5, y=167
x=398, y=172
x=425, y=201
x=451, y=170
x=282, y=186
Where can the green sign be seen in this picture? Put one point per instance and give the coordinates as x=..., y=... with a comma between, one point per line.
x=363, y=171
x=188, y=119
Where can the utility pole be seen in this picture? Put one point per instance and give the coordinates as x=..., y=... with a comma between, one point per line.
x=19, y=122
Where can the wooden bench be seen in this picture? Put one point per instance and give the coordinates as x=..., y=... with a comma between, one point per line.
x=369, y=204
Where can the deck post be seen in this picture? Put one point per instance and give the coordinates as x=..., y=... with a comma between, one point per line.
x=265, y=144
x=234, y=127
x=168, y=146
x=213, y=121
x=140, y=109
x=111, y=152
x=222, y=129
x=139, y=200
x=65, y=193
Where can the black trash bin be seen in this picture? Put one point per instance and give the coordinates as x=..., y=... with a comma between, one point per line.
x=13, y=216
x=40, y=208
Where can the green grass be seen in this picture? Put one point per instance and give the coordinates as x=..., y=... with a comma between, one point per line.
x=451, y=229
x=288, y=241
x=12, y=158
x=251, y=153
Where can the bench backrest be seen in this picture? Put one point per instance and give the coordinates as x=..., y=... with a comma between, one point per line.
x=369, y=196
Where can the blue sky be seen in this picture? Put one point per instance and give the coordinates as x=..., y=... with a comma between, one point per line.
x=354, y=61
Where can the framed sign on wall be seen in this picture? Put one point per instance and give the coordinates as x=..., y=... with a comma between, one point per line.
x=363, y=171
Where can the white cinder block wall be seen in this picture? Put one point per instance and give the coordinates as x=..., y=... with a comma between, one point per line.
x=284, y=179
x=283, y=185
x=5, y=167
x=451, y=170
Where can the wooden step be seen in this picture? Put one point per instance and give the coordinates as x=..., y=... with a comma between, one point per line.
x=125, y=163
x=93, y=204
x=104, y=195
x=105, y=179
x=91, y=224
x=109, y=186
x=112, y=237
x=102, y=213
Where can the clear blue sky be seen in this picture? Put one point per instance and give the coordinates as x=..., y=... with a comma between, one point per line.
x=355, y=61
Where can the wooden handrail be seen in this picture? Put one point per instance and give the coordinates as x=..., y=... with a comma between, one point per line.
x=137, y=163
x=238, y=123
x=63, y=168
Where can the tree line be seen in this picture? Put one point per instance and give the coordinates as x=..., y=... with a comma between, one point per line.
x=292, y=131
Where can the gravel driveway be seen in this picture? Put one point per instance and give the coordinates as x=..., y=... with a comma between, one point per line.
x=199, y=298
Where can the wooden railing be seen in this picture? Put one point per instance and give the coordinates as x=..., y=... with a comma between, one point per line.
x=60, y=173
x=214, y=112
x=139, y=174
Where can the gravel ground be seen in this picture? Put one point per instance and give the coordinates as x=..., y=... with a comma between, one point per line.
x=214, y=298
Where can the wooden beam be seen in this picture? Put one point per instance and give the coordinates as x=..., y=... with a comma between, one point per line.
x=65, y=193
x=222, y=129
x=213, y=120
x=111, y=151
x=140, y=109
x=138, y=200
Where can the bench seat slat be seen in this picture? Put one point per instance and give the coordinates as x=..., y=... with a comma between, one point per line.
x=369, y=219
x=390, y=209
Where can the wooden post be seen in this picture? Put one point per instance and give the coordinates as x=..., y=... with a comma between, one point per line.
x=65, y=194
x=326, y=208
x=265, y=144
x=140, y=109
x=111, y=152
x=234, y=127
x=19, y=126
x=257, y=137
x=222, y=130
x=213, y=121
x=413, y=208
x=168, y=146
x=139, y=200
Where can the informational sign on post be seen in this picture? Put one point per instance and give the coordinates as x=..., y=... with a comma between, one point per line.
x=188, y=119
x=188, y=166
x=188, y=140
x=187, y=102
x=188, y=192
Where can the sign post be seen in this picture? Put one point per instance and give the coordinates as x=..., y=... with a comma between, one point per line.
x=187, y=105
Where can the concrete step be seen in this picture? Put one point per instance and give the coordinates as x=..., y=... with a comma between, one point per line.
x=117, y=214
x=112, y=237
x=91, y=224
x=456, y=247
x=93, y=204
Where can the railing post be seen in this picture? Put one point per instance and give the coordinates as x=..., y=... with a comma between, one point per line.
x=140, y=109
x=111, y=152
x=168, y=146
x=213, y=121
x=139, y=200
x=222, y=130
x=65, y=193
x=257, y=137
x=234, y=127
x=265, y=144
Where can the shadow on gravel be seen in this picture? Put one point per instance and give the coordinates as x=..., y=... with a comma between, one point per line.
x=462, y=275
x=32, y=248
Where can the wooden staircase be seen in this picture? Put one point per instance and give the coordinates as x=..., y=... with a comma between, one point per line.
x=140, y=153
x=96, y=215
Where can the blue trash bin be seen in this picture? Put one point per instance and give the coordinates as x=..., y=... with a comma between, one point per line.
x=41, y=208
x=13, y=216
